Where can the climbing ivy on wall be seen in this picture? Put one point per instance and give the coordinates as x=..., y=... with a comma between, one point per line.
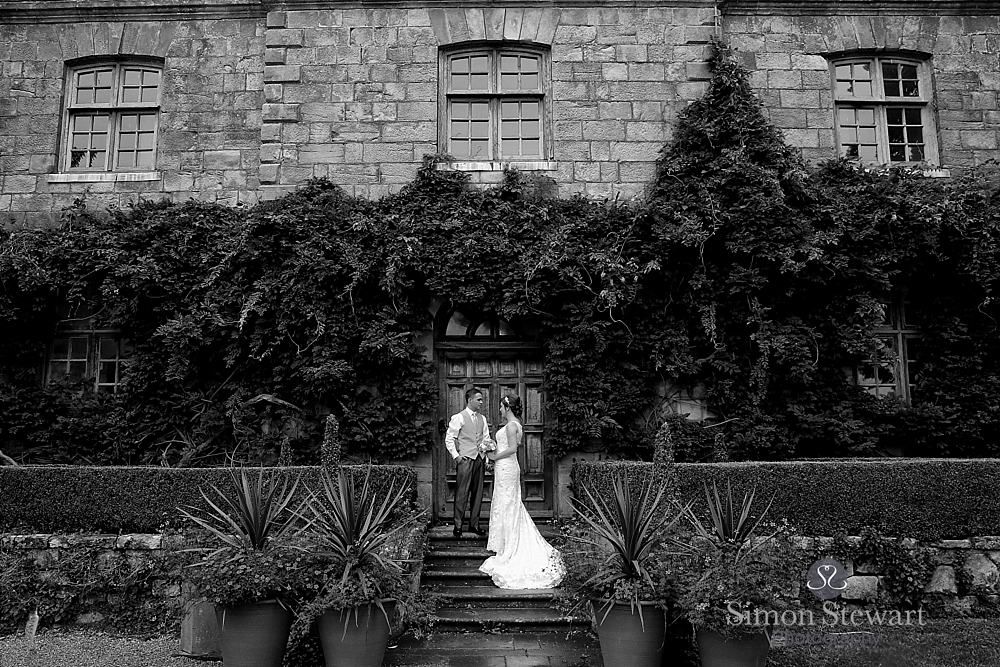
x=744, y=273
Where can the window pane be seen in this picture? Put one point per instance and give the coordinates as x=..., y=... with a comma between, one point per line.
x=529, y=82
x=103, y=95
x=890, y=71
x=86, y=80
x=866, y=117
x=146, y=140
x=479, y=64
x=891, y=88
x=460, y=82
x=511, y=147
x=460, y=65
x=484, y=329
x=509, y=128
x=480, y=110
x=98, y=160
x=144, y=159
x=480, y=129
x=479, y=82
x=109, y=348
x=101, y=122
x=479, y=148
x=133, y=77
x=460, y=110
x=897, y=153
x=915, y=135
x=529, y=110
x=894, y=116
x=917, y=154
x=910, y=89
x=529, y=128
x=126, y=142
x=107, y=372
x=913, y=116
x=509, y=64
x=510, y=110
x=849, y=135
x=85, y=96
x=895, y=135
x=866, y=135
x=868, y=153
x=459, y=129
x=130, y=95
x=104, y=78
x=130, y=123
x=508, y=82
x=531, y=147
x=77, y=370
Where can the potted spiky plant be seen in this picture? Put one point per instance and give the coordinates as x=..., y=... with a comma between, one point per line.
x=738, y=564
x=359, y=574
x=620, y=536
x=251, y=574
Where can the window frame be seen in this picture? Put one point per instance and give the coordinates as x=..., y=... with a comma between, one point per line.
x=905, y=364
x=880, y=103
x=114, y=110
x=494, y=51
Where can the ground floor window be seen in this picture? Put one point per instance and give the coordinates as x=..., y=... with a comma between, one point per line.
x=92, y=358
x=893, y=366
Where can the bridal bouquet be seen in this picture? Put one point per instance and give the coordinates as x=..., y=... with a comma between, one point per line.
x=487, y=445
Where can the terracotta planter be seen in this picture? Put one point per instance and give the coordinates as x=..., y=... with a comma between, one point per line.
x=625, y=640
x=255, y=634
x=355, y=637
x=744, y=651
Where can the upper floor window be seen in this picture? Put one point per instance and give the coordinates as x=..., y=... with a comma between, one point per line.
x=893, y=367
x=111, y=117
x=883, y=109
x=494, y=107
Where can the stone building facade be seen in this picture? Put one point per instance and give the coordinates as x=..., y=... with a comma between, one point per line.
x=235, y=101
x=246, y=99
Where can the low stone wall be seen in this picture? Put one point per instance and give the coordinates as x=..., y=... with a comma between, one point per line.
x=81, y=577
x=965, y=579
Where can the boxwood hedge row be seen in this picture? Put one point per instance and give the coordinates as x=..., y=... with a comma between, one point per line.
x=927, y=499
x=49, y=499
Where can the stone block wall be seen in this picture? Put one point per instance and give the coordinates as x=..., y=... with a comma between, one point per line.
x=352, y=94
x=258, y=97
x=786, y=54
x=209, y=124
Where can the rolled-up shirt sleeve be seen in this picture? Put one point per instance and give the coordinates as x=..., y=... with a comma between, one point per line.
x=451, y=435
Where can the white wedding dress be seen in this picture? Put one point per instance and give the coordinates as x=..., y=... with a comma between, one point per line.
x=523, y=558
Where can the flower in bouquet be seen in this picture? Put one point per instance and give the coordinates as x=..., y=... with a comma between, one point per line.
x=487, y=445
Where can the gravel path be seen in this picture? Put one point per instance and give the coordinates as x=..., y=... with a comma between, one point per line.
x=93, y=649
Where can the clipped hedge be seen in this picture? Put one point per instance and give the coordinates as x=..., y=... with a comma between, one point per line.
x=49, y=499
x=926, y=499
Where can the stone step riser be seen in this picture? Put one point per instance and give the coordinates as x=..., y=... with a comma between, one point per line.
x=460, y=563
x=510, y=605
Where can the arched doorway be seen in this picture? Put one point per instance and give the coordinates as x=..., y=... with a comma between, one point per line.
x=484, y=351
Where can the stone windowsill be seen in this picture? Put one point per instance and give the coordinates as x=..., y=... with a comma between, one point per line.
x=527, y=165
x=937, y=173
x=104, y=177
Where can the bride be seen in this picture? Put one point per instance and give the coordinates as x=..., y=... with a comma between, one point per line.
x=523, y=558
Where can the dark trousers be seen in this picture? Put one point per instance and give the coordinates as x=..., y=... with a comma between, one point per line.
x=470, y=475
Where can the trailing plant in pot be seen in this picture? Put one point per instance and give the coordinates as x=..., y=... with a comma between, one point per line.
x=256, y=571
x=736, y=576
x=358, y=579
x=620, y=536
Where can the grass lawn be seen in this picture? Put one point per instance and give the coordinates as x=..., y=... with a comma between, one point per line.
x=970, y=642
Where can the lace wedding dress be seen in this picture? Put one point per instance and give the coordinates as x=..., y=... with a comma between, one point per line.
x=524, y=559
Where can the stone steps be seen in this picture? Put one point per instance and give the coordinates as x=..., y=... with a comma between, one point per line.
x=451, y=568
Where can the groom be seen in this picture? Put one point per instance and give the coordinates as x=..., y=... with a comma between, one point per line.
x=466, y=431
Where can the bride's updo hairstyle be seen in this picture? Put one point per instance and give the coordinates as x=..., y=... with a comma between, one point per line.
x=514, y=404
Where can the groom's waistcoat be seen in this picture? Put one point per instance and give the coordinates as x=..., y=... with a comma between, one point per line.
x=469, y=434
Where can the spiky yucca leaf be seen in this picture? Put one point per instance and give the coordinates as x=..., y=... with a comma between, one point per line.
x=250, y=515
x=632, y=526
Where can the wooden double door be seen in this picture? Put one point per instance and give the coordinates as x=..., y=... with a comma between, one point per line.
x=496, y=376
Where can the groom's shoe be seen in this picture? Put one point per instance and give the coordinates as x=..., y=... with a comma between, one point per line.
x=457, y=532
x=478, y=531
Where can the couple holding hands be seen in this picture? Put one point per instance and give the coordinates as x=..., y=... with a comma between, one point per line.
x=523, y=558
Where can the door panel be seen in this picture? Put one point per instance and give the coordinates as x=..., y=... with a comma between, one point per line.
x=496, y=377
